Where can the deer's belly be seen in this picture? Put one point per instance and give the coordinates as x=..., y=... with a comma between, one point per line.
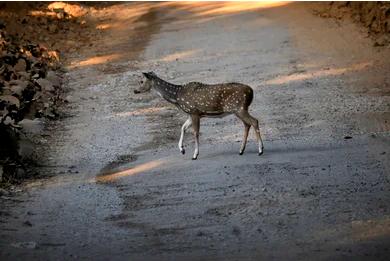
x=215, y=114
x=221, y=115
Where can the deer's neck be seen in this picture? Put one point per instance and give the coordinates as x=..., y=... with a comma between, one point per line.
x=167, y=90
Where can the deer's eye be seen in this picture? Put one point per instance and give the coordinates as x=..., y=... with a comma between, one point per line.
x=141, y=82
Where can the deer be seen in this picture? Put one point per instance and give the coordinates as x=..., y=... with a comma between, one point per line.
x=199, y=100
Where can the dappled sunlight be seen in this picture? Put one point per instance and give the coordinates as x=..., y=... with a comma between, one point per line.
x=82, y=178
x=130, y=11
x=123, y=23
x=142, y=20
x=109, y=176
x=43, y=13
x=139, y=112
x=71, y=9
x=94, y=60
x=124, y=19
x=134, y=22
x=178, y=55
x=357, y=230
x=371, y=229
x=316, y=74
x=104, y=26
x=222, y=8
x=132, y=171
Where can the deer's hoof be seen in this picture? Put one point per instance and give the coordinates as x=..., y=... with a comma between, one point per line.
x=194, y=158
x=261, y=153
x=241, y=152
x=183, y=151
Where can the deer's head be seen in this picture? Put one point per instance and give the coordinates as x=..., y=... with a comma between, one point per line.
x=146, y=83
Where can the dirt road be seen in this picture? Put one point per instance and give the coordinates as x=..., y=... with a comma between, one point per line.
x=122, y=190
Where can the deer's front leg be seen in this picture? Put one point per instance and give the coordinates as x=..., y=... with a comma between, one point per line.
x=185, y=126
x=196, y=127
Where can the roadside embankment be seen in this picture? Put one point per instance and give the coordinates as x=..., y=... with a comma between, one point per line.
x=33, y=40
x=374, y=16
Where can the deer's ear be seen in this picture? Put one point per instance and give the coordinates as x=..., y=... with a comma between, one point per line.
x=147, y=75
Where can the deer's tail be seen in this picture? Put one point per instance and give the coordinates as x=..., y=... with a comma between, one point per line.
x=249, y=97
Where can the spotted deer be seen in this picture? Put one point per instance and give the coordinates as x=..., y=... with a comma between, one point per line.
x=206, y=100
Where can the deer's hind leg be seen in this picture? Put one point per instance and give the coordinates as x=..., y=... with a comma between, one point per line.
x=244, y=140
x=185, y=126
x=196, y=126
x=252, y=121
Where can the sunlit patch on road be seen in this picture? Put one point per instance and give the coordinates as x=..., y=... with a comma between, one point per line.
x=221, y=8
x=371, y=229
x=361, y=231
x=94, y=60
x=319, y=73
x=132, y=171
x=138, y=112
x=178, y=55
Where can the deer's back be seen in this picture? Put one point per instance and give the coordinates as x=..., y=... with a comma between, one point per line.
x=215, y=99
